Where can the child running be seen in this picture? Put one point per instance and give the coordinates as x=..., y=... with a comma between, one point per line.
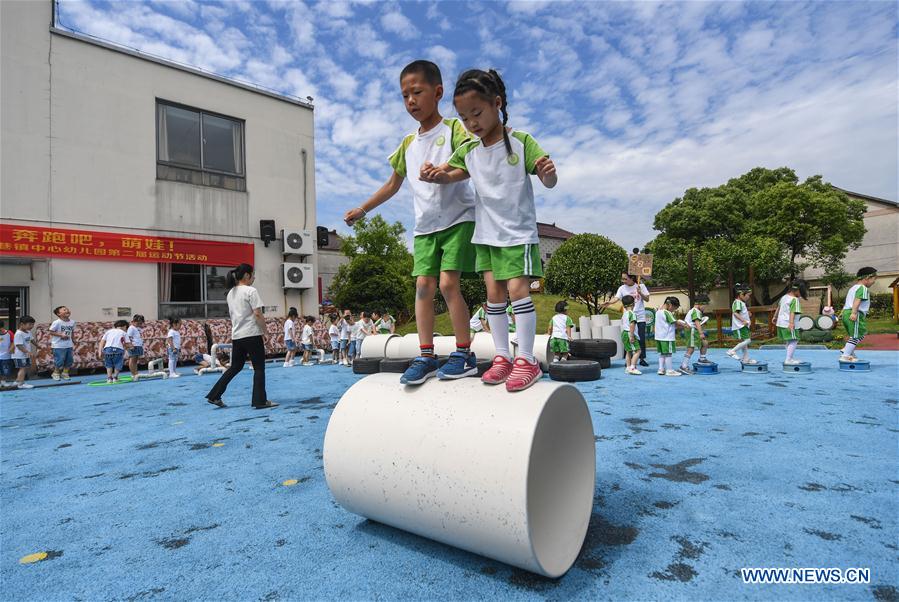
x=559, y=330
x=290, y=336
x=855, y=311
x=111, y=349
x=135, y=335
x=787, y=312
x=500, y=162
x=741, y=325
x=444, y=222
x=62, y=331
x=696, y=336
x=665, y=334
x=334, y=336
x=629, y=336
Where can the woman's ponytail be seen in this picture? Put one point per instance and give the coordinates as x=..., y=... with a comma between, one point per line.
x=237, y=274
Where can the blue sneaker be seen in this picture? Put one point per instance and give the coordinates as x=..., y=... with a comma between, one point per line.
x=421, y=369
x=459, y=365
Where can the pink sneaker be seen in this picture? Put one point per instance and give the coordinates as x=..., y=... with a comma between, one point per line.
x=524, y=374
x=498, y=372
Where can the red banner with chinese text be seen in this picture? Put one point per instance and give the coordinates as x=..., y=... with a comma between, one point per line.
x=34, y=241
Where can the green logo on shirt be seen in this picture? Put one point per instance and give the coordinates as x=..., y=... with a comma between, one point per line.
x=441, y=141
x=512, y=159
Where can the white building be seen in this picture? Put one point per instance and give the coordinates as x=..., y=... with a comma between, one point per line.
x=130, y=184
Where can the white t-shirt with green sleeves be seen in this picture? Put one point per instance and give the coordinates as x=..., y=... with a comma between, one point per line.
x=665, y=326
x=475, y=322
x=693, y=314
x=739, y=314
x=437, y=206
x=560, y=324
x=858, y=291
x=629, y=317
x=788, y=305
x=505, y=215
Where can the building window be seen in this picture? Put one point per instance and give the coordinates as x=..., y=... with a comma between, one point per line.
x=197, y=147
x=192, y=291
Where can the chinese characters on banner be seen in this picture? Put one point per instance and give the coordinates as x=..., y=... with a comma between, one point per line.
x=34, y=241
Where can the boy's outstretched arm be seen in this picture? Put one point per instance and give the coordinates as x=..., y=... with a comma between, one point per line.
x=390, y=188
x=546, y=171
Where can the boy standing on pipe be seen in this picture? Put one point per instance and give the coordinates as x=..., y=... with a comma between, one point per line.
x=444, y=222
x=855, y=310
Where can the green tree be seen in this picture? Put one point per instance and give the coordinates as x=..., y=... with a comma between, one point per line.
x=588, y=268
x=374, y=236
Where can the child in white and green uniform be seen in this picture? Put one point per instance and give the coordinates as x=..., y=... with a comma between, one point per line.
x=384, y=322
x=500, y=162
x=444, y=221
x=855, y=311
x=741, y=324
x=787, y=310
x=665, y=334
x=696, y=335
x=630, y=338
x=559, y=330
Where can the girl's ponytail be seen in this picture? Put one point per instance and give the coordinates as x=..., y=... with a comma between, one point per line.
x=501, y=92
x=237, y=274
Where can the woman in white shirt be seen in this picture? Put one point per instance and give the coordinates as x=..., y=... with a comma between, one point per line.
x=247, y=328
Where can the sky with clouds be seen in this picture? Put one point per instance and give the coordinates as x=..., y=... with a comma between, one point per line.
x=635, y=102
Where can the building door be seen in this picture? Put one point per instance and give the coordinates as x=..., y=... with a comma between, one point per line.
x=13, y=305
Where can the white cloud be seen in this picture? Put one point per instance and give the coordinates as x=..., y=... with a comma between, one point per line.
x=398, y=23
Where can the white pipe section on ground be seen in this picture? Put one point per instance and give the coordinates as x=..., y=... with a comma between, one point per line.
x=541, y=342
x=585, y=326
x=508, y=476
x=443, y=346
x=599, y=320
x=483, y=347
x=392, y=349
x=613, y=333
x=375, y=345
x=596, y=332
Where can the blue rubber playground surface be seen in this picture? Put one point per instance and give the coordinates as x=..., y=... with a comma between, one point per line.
x=144, y=491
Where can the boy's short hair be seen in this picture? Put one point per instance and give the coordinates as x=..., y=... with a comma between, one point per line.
x=701, y=299
x=121, y=324
x=26, y=320
x=174, y=321
x=673, y=301
x=333, y=317
x=627, y=300
x=561, y=306
x=429, y=70
x=292, y=312
x=865, y=272
x=56, y=310
x=743, y=288
x=310, y=320
x=137, y=318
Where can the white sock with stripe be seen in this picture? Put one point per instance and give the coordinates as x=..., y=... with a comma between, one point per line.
x=669, y=363
x=499, y=328
x=526, y=327
x=791, y=348
x=661, y=363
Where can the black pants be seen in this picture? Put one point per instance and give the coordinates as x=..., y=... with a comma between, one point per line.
x=641, y=330
x=241, y=348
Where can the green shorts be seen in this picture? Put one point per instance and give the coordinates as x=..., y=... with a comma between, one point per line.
x=447, y=250
x=628, y=345
x=509, y=262
x=741, y=333
x=694, y=339
x=666, y=347
x=558, y=345
x=857, y=329
x=786, y=335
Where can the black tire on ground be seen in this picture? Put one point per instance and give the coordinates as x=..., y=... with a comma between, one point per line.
x=574, y=371
x=605, y=363
x=483, y=366
x=593, y=349
x=815, y=336
x=394, y=365
x=366, y=365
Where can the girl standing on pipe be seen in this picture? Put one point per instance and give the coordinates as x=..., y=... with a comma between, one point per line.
x=500, y=162
x=247, y=327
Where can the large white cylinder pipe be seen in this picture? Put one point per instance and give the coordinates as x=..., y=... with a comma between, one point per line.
x=585, y=326
x=541, y=342
x=443, y=346
x=375, y=345
x=482, y=345
x=600, y=320
x=392, y=349
x=596, y=332
x=613, y=333
x=507, y=475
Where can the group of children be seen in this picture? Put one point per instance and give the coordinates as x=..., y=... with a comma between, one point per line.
x=488, y=227
x=345, y=334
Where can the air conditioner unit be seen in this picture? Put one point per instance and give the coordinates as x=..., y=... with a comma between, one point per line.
x=297, y=242
x=298, y=275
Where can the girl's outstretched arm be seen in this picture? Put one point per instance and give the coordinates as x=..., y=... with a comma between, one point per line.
x=384, y=193
x=546, y=171
x=441, y=174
